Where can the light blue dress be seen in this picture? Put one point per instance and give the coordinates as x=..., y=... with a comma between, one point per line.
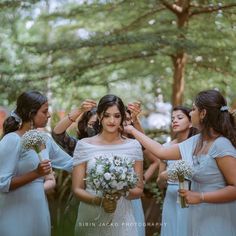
x=139, y=216
x=206, y=219
x=24, y=211
x=93, y=220
x=174, y=217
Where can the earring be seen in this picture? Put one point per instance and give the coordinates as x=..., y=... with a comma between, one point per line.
x=31, y=124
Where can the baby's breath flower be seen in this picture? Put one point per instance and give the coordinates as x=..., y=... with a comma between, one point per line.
x=33, y=139
x=180, y=170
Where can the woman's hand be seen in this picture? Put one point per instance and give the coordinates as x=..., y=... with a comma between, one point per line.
x=128, y=129
x=87, y=105
x=135, y=109
x=44, y=168
x=162, y=179
x=109, y=205
x=190, y=196
x=110, y=202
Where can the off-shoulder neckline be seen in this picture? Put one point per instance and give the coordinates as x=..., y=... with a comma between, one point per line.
x=108, y=145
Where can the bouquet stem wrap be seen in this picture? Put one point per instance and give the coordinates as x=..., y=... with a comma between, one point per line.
x=178, y=172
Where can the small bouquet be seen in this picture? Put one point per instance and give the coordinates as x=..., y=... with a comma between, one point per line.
x=33, y=139
x=179, y=171
x=112, y=176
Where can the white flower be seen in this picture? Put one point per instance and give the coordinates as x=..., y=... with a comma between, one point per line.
x=100, y=169
x=180, y=170
x=107, y=176
x=120, y=185
x=32, y=139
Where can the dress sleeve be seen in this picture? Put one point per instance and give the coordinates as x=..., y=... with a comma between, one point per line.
x=81, y=153
x=59, y=158
x=187, y=148
x=137, y=151
x=67, y=142
x=9, y=156
x=222, y=147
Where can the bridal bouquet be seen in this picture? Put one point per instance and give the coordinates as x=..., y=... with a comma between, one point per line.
x=33, y=139
x=179, y=171
x=112, y=175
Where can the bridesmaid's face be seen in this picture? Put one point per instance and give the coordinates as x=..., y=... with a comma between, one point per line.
x=180, y=122
x=195, y=117
x=42, y=116
x=111, y=119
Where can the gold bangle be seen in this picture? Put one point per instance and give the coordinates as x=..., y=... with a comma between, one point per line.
x=69, y=117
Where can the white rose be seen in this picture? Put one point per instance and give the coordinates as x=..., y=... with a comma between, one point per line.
x=107, y=176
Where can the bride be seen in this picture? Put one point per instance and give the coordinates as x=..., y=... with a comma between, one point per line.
x=98, y=215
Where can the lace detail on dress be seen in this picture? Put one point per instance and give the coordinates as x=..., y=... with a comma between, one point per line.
x=66, y=142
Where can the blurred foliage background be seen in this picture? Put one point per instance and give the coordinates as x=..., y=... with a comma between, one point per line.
x=139, y=50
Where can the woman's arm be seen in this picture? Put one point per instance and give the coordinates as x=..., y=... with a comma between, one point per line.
x=138, y=190
x=152, y=167
x=227, y=166
x=162, y=176
x=44, y=168
x=163, y=153
x=49, y=182
x=78, y=185
x=65, y=123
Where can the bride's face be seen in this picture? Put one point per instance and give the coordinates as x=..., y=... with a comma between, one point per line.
x=111, y=119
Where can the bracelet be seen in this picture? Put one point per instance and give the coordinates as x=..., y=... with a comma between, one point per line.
x=202, y=197
x=69, y=117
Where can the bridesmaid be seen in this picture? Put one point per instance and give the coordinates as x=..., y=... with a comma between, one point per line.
x=86, y=117
x=172, y=214
x=213, y=194
x=23, y=204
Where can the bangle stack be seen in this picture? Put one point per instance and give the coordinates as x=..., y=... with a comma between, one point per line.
x=70, y=118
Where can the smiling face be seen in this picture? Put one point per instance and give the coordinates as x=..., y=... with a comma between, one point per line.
x=42, y=116
x=111, y=119
x=180, y=122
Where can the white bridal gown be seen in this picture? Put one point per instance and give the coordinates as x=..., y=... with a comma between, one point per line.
x=93, y=220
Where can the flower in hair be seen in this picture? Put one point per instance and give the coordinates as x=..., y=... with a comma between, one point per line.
x=16, y=117
x=224, y=108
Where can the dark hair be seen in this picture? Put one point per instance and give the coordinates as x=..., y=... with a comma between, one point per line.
x=27, y=105
x=220, y=120
x=83, y=124
x=186, y=111
x=109, y=101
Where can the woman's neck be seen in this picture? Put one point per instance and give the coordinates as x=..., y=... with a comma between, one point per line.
x=211, y=136
x=181, y=136
x=24, y=128
x=110, y=137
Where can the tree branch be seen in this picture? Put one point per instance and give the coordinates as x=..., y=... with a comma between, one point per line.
x=138, y=20
x=210, y=9
x=172, y=7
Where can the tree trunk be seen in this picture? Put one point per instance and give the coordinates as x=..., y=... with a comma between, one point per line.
x=179, y=62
